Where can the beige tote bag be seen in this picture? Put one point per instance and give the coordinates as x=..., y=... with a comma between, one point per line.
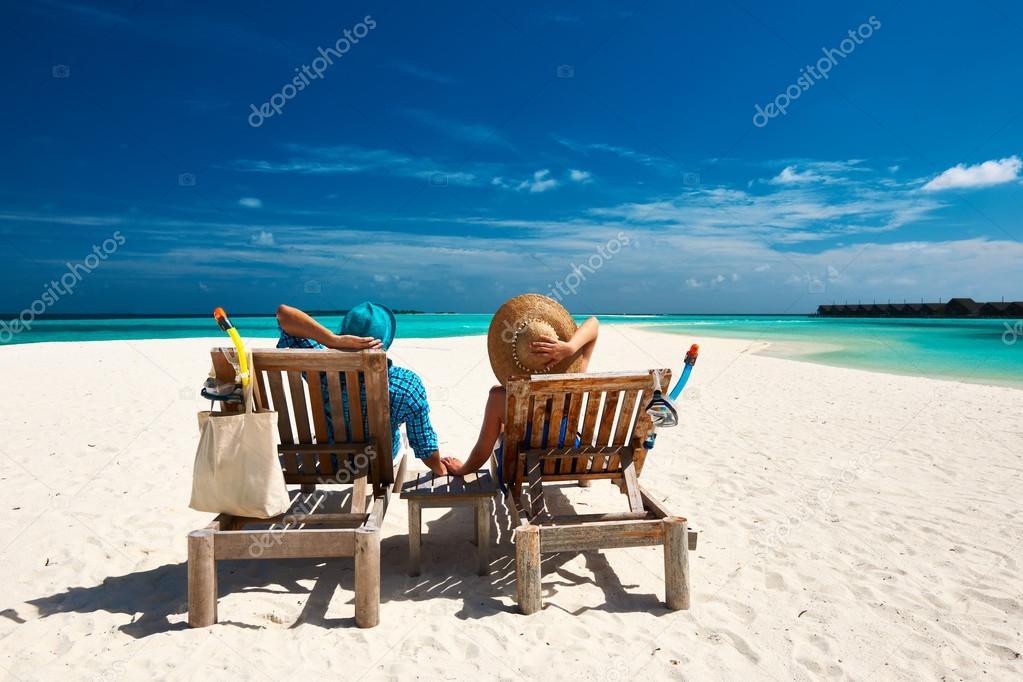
x=237, y=470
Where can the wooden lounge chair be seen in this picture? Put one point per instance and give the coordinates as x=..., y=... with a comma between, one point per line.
x=319, y=523
x=608, y=413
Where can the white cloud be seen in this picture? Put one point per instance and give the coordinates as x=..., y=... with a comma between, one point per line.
x=659, y=163
x=541, y=182
x=264, y=238
x=489, y=269
x=787, y=215
x=353, y=159
x=580, y=175
x=981, y=175
x=791, y=176
x=250, y=202
x=61, y=219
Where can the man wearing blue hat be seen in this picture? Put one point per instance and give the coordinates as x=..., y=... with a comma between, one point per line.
x=371, y=325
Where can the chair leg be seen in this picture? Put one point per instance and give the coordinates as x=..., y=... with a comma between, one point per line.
x=585, y=483
x=483, y=534
x=527, y=568
x=202, y=579
x=367, y=577
x=676, y=562
x=415, y=537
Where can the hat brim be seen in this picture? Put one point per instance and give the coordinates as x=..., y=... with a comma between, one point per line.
x=500, y=337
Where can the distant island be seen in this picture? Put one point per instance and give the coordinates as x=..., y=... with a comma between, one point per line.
x=954, y=308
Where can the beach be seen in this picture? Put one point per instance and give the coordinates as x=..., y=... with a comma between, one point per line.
x=852, y=525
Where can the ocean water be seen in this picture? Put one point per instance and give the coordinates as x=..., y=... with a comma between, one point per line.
x=987, y=351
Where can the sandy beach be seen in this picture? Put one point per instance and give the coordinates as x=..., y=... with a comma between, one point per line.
x=853, y=525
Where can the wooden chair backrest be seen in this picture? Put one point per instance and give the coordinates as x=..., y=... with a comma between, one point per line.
x=291, y=382
x=606, y=410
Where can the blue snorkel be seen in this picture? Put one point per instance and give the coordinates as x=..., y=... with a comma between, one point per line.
x=654, y=409
x=690, y=360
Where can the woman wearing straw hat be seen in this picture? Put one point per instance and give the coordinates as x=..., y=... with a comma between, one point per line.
x=530, y=334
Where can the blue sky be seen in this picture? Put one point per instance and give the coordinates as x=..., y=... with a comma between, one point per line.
x=452, y=155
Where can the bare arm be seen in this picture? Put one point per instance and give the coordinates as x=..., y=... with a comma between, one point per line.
x=493, y=423
x=298, y=323
x=436, y=464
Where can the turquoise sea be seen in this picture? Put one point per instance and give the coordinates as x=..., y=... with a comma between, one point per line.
x=988, y=351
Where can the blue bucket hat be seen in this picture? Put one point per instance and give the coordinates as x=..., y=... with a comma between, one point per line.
x=370, y=319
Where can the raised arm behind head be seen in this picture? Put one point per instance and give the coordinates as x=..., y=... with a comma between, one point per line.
x=298, y=323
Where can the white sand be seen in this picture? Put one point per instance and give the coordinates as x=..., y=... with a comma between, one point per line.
x=853, y=525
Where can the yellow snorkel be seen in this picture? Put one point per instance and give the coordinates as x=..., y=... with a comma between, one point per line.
x=243, y=360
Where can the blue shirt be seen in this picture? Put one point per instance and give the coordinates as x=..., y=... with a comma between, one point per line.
x=407, y=398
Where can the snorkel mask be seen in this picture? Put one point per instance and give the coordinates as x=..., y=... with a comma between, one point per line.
x=661, y=409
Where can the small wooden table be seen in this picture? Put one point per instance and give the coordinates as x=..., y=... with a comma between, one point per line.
x=429, y=490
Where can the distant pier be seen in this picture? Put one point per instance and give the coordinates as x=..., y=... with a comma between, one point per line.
x=955, y=307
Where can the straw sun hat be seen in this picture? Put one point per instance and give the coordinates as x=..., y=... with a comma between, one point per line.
x=519, y=322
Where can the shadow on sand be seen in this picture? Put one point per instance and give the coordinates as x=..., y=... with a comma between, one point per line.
x=448, y=571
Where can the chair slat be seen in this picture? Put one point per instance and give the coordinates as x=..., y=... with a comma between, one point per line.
x=607, y=419
x=263, y=394
x=593, y=399
x=574, y=409
x=296, y=386
x=622, y=435
x=355, y=405
x=590, y=422
x=557, y=415
x=624, y=429
x=281, y=405
x=541, y=405
x=337, y=415
x=317, y=408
